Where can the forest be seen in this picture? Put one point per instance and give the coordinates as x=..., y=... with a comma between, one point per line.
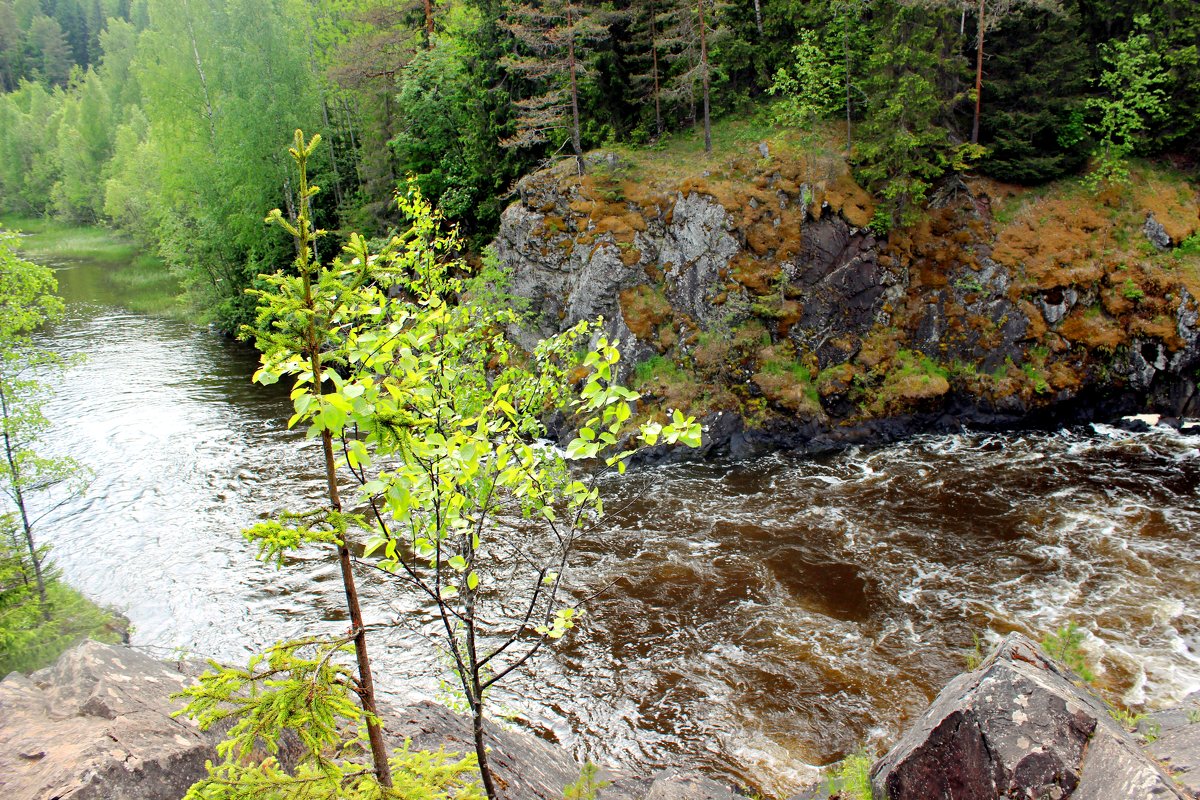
x=165, y=118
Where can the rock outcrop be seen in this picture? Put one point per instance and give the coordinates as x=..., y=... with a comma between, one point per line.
x=1018, y=727
x=1173, y=737
x=97, y=725
x=759, y=289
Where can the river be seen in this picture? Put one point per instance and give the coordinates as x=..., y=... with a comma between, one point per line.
x=766, y=616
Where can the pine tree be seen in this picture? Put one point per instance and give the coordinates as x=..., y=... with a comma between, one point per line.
x=903, y=146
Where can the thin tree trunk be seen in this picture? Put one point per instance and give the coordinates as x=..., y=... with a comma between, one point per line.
x=337, y=174
x=208, y=107
x=846, y=55
x=704, y=79
x=978, y=76
x=19, y=496
x=758, y=17
x=658, y=124
x=575, y=140
x=428, y=24
x=475, y=695
x=366, y=685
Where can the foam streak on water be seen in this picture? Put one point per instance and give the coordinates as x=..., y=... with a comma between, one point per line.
x=766, y=616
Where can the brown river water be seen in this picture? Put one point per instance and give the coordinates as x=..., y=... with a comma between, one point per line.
x=767, y=616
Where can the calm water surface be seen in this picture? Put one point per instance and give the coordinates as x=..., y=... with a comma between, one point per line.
x=767, y=616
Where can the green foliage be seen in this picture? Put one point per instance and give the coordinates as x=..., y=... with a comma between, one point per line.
x=902, y=149
x=1065, y=647
x=588, y=786
x=810, y=88
x=1132, y=97
x=1193, y=716
x=654, y=368
x=305, y=690
x=39, y=617
x=852, y=777
x=1189, y=246
x=974, y=657
x=1034, y=91
x=437, y=416
x=1131, y=291
x=29, y=641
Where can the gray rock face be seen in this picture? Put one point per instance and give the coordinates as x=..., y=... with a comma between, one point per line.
x=97, y=725
x=692, y=251
x=529, y=768
x=1176, y=741
x=1156, y=233
x=1017, y=727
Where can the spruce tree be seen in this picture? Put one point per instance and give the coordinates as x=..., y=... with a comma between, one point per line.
x=554, y=37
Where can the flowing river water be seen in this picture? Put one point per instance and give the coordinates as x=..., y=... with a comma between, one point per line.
x=766, y=616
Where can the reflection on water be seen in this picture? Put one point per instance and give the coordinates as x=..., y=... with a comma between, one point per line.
x=766, y=616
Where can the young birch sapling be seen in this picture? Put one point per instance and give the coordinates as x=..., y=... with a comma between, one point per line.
x=438, y=418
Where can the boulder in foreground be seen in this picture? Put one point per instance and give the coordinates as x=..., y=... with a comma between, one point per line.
x=1018, y=727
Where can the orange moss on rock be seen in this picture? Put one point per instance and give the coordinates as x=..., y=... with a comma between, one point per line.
x=1056, y=243
x=854, y=202
x=1094, y=330
x=759, y=276
x=644, y=309
x=1175, y=206
x=1159, y=327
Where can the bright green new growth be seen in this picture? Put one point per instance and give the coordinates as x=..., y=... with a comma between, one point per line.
x=437, y=416
x=1065, y=646
x=809, y=87
x=852, y=777
x=301, y=689
x=588, y=786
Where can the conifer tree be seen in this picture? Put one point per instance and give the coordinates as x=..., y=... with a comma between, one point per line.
x=903, y=146
x=689, y=29
x=555, y=36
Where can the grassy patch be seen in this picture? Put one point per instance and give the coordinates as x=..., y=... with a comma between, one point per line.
x=851, y=778
x=28, y=640
x=148, y=287
x=58, y=240
x=142, y=283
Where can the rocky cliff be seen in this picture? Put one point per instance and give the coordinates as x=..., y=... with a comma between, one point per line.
x=762, y=292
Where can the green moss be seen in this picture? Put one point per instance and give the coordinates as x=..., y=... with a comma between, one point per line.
x=655, y=368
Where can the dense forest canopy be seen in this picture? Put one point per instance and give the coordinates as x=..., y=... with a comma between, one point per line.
x=165, y=118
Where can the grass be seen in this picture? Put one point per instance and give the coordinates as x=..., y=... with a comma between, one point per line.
x=148, y=287
x=144, y=283
x=851, y=778
x=735, y=137
x=53, y=239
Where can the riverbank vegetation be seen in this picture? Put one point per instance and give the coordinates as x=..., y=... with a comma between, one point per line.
x=160, y=117
x=145, y=282
x=40, y=616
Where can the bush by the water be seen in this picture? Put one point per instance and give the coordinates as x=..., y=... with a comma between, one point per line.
x=32, y=637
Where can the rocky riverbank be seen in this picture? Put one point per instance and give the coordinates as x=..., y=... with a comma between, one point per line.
x=99, y=724
x=763, y=295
